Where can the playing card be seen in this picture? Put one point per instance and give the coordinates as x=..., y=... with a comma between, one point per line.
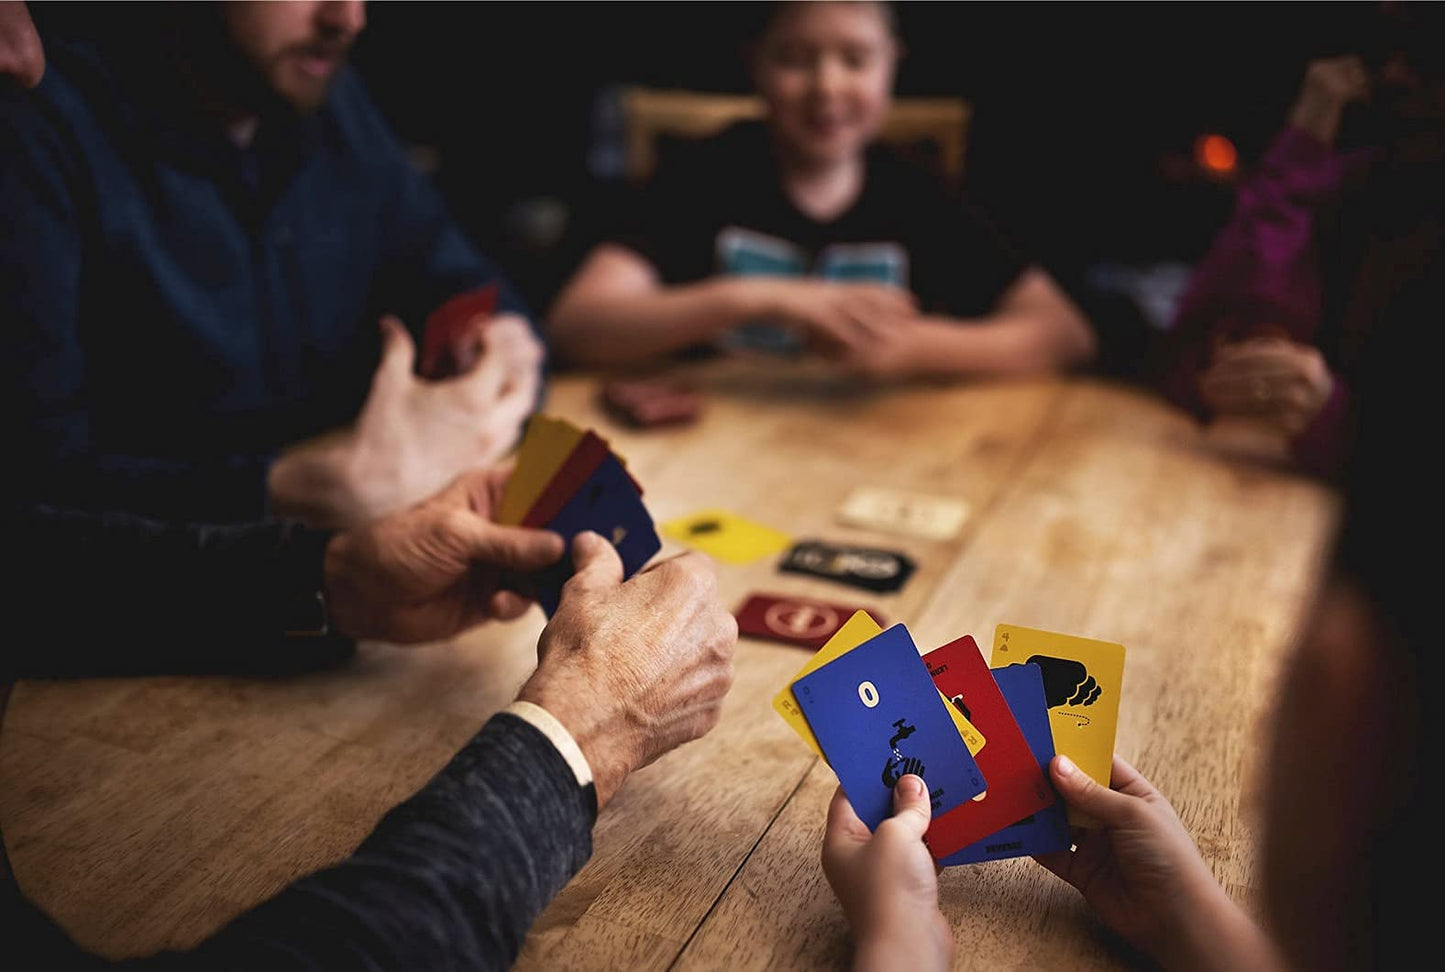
x=900, y=511
x=545, y=446
x=589, y=453
x=442, y=352
x=1046, y=830
x=1016, y=785
x=794, y=620
x=877, y=716
x=870, y=568
x=856, y=630
x=651, y=403
x=1082, y=682
x=726, y=536
x=607, y=503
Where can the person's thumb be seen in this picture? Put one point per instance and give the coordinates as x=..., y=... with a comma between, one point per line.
x=597, y=562
x=1082, y=792
x=398, y=352
x=518, y=549
x=912, y=805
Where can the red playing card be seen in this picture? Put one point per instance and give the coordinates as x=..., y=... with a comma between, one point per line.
x=795, y=620
x=580, y=463
x=443, y=352
x=1016, y=786
x=649, y=403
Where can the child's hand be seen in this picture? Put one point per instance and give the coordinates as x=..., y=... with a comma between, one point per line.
x=837, y=317
x=1143, y=876
x=887, y=882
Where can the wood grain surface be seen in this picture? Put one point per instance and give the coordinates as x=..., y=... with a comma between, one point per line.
x=145, y=813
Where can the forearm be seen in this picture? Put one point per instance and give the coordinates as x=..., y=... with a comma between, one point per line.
x=1010, y=342
x=1215, y=935
x=110, y=594
x=598, y=326
x=452, y=878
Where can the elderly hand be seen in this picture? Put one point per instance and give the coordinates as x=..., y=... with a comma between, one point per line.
x=435, y=569
x=1282, y=382
x=634, y=669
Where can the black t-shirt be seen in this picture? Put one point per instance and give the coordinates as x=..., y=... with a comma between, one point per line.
x=718, y=206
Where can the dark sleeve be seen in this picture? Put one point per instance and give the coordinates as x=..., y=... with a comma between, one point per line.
x=113, y=594
x=426, y=259
x=965, y=262
x=451, y=879
x=44, y=402
x=666, y=220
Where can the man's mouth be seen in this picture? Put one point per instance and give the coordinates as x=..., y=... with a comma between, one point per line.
x=318, y=63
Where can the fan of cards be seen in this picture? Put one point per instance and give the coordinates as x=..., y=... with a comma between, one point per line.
x=568, y=480
x=981, y=738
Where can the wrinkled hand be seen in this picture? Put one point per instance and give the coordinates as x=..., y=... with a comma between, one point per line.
x=634, y=669
x=435, y=569
x=22, y=58
x=836, y=318
x=1282, y=382
x=1139, y=871
x=1330, y=84
x=887, y=881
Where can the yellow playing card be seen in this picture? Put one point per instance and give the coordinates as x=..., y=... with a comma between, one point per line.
x=727, y=536
x=545, y=447
x=856, y=630
x=1083, y=679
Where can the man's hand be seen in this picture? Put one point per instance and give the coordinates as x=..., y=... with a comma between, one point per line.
x=1282, y=382
x=415, y=435
x=634, y=669
x=435, y=569
x=887, y=882
x=1330, y=84
x=22, y=59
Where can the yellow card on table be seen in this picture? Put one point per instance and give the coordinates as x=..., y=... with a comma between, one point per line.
x=856, y=630
x=1083, y=680
x=546, y=444
x=727, y=536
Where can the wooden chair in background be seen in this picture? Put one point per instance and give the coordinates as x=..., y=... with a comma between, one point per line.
x=933, y=129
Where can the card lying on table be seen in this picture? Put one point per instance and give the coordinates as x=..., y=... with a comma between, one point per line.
x=1043, y=831
x=900, y=511
x=568, y=481
x=802, y=621
x=726, y=536
x=1016, y=786
x=870, y=568
x=877, y=716
x=1083, y=679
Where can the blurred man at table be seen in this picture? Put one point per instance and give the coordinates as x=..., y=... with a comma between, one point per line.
x=211, y=243
x=1343, y=210
x=803, y=233
x=454, y=876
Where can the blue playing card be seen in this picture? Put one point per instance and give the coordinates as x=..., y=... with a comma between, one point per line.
x=608, y=503
x=1048, y=829
x=877, y=716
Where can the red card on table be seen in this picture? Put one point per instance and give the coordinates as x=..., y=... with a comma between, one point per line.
x=441, y=352
x=1016, y=786
x=648, y=403
x=795, y=620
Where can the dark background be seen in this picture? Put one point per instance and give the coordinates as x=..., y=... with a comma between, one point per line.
x=1085, y=113
x=1079, y=107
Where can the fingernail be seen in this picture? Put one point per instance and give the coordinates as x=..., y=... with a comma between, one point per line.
x=911, y=786
x=1066, y=766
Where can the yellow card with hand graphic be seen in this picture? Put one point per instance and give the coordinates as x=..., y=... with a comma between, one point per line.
x=856, y=630
x=1083, y=680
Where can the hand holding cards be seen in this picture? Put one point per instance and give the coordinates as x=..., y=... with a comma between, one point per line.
x=567, y=480
x=999, y=732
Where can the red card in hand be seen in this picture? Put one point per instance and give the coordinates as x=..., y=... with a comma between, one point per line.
x=444, y=349
x=798, y=621
x=1016, y=785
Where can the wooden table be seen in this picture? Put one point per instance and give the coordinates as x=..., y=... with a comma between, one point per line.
x=146, y=813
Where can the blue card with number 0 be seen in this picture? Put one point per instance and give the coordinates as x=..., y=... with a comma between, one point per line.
x=877, y=715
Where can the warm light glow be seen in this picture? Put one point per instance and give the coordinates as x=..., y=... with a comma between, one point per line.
x=1216, y=155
